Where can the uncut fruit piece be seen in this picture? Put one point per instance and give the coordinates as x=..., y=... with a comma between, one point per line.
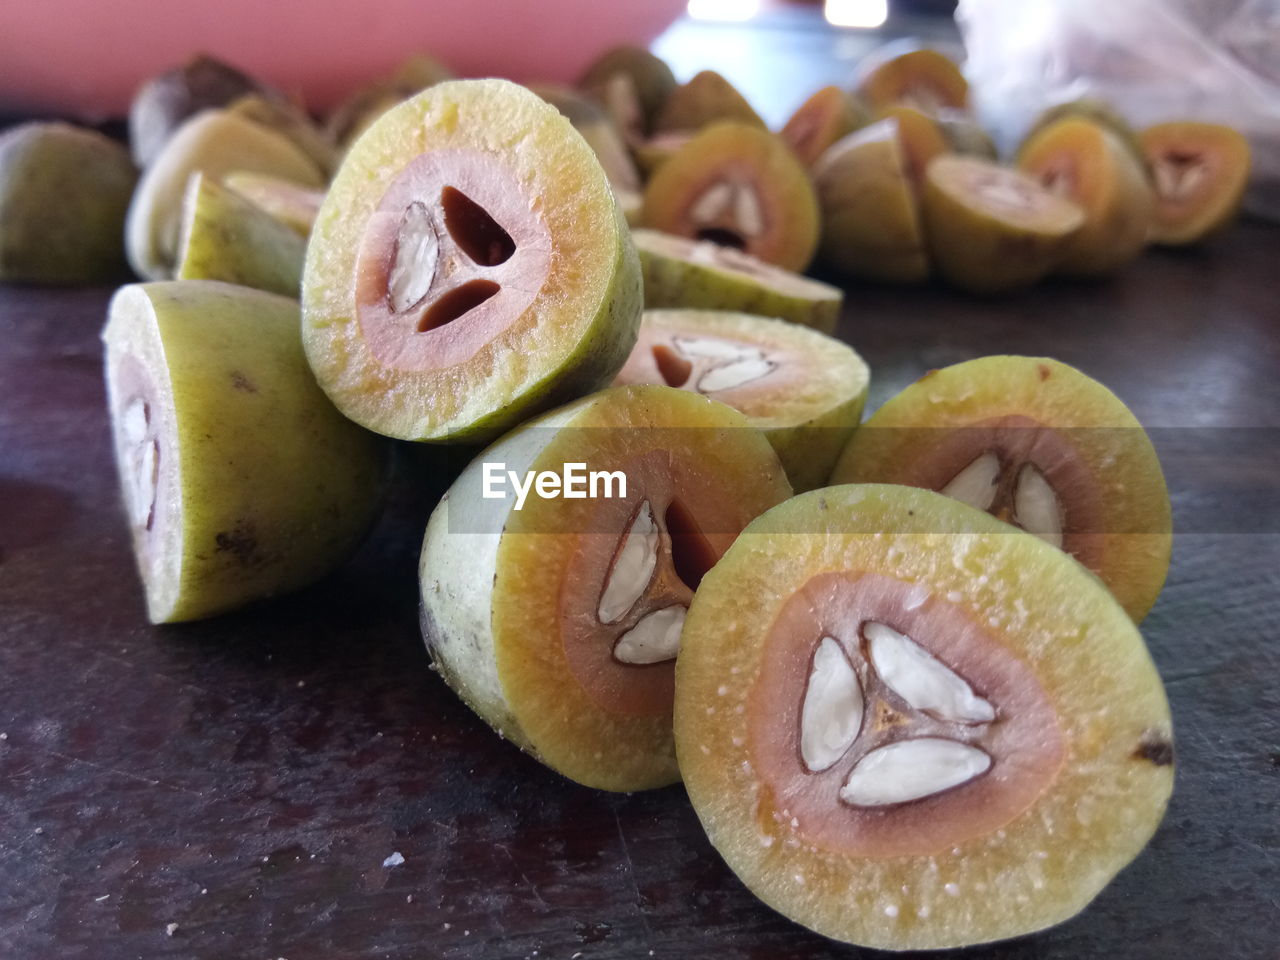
x=291, y=122
x=632, y=84
x=870, y=216
x=168, y=100
x=679, y=272
x=469, y=268
x=1037, y=443
x=738, y=186
x=820, y=121
x=558, y=621
x=1200, y=171
x=240, y=480
x=63, y=196
x=285, y=200
x=214, y=142
x=803, y=389
x=354, y=115
x=706, y=99
x=1086, y=163
x=225, y=237
x=902, y=73
x=992, y=229
x=904, y=727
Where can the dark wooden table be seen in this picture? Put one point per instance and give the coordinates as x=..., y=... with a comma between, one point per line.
x=233, y=789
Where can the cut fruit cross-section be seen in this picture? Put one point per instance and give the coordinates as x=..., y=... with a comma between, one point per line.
x=558, y=619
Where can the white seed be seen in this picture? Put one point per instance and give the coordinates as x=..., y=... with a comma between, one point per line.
x=923, y=680
x=831, y=715
x=656, y=637
x=712, y=348
x=144, y=479
x=912, y=769
x=747, y=213
x=629, y=577
x=136, y=418
x=1035, y=506
x=734, y=374
x=714, y=202
x=976, y=483
x=1005, y=193
x=416, y=256
x=1176, y=180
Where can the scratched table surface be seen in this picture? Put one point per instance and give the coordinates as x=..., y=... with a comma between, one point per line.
x=245, y=787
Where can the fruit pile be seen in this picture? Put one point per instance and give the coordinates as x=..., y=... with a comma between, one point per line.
x=910, y=706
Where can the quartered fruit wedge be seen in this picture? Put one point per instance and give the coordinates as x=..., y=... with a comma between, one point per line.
x=907, y=726
x=803, y=389
x=558, y=619
x=469, y=267
x=1039, y=444
x=240, y=479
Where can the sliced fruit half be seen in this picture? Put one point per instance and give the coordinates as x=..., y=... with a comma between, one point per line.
x=870, y=215
x=63, y=196
x=285, y=200
x=706, y=99
x=679, y=272
x=992, y=229
x=1200, y=171
x=214, y=142
x=1085, y=162
x=738, y=186
x=829, y=114
x=469, y=267
x=632, y=84
x=1040, y=444
x=906, y=726
x=905, y=73
x=240, y=479
x=803, y=389
x=558, y=619
x=225, y=237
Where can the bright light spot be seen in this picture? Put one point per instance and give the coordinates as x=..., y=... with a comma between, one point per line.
x=853, y=13
x=723, y=9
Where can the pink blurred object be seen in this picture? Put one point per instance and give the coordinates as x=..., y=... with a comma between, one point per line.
x=87, y=57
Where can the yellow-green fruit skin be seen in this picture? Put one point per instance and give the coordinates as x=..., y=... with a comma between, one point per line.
x=1137, y=522
x=63, y=196
x=523, y=380
x=676, y=282
x=870, y=218
x=1094, y=816
x=214, y=142
x=977, y=252
x=274, y=487
x=225, y=237
x=1115, y=230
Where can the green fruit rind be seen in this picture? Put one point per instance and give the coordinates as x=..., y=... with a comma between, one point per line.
x=225, y=237
x=228, y=384
x=1093, y=817
x=63, y=196
x=523, y=378
x=705, y=279
x=215, y=142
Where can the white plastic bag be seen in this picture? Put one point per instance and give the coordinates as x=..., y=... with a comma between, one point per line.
x=1154, y=60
